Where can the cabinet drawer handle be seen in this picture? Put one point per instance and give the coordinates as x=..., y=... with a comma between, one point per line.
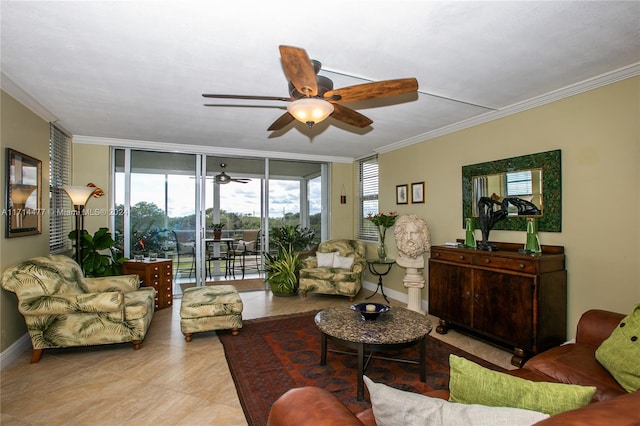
x=521, y=266
x=487, y=261
x=461, y=257
x=476, y=297
x=437, y=254
x=467, y=295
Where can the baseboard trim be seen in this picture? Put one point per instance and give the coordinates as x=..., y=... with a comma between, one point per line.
x=394, y=294
x=14, y=351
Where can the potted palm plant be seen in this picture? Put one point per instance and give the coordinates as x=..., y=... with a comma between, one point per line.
x=100, y=256
x=283, y=267
x=283, y=271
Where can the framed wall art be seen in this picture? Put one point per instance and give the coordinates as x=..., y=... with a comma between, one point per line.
x=417, y=192
x=24, y=195
x=401, y=194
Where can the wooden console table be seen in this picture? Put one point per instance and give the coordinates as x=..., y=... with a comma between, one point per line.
x=517, y=300
x=157, y=274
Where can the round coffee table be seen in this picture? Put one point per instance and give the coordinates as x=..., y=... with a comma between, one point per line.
x=399, y=328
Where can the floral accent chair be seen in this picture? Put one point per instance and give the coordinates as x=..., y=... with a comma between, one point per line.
x=62, y=308
x=336, y=268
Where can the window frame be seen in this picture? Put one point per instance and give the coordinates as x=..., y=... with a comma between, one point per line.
x=368, y=184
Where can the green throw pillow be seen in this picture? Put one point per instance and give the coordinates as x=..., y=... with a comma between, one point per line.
x=620, y=353
x=471, y=383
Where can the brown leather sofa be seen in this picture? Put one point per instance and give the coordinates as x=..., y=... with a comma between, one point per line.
x=573, y=363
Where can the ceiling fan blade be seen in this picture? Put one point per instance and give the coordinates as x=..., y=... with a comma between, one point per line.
x=299, y=70
x=282, y=121
x=240, y=180
x=349, y=116
x=378, y=89
x=245, y=97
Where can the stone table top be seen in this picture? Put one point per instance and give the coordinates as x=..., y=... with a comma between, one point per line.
x=398, y=325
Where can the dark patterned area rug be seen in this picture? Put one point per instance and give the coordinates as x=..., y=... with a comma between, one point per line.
x=272, y=355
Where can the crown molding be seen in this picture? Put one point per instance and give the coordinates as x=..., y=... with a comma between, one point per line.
x=209, y=150
x=620, y=74
x=8, y=85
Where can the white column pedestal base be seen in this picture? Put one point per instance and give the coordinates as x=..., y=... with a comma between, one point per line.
x=414, y=282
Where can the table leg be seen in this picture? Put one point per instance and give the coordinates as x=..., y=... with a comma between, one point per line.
x=382, y=290
x=423, y=354
x=323, y=349
x=360, y=395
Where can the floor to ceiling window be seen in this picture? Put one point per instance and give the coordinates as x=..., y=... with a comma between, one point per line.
x=158, y=190
x=174, y=199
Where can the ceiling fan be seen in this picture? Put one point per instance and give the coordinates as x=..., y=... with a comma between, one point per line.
x=224, y=178
x=312, y=97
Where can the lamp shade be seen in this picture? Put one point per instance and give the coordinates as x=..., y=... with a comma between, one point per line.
x=79, y=195
x=310, y=110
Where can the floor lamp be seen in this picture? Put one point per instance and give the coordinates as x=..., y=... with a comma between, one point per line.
x=79, y=196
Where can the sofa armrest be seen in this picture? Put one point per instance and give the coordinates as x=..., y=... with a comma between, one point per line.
x=620, y=411
x=122, y=283
x=359, y=266
x=309, y=263
x=310, y=406
x=595, y=326
x=62, y=304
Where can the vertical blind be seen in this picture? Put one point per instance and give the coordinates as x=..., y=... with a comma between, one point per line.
x=59, y=204
x=367, y=184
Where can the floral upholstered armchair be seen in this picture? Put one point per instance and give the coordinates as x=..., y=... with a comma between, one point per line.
x=336, y=268
x=62, y=308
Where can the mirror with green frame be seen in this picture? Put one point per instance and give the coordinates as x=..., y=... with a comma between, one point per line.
x=535, y=178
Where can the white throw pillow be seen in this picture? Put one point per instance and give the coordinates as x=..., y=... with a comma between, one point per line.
x=325, y=260
x=392, y=407
x=343, y=262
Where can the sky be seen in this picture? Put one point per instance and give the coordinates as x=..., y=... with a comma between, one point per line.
x=234, y=197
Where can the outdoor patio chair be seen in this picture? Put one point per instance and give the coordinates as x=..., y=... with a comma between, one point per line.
x=248, y=248
x=185, y=256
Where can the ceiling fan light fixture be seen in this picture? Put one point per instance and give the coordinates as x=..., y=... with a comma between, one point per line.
x=222, y=178
x=310, y=110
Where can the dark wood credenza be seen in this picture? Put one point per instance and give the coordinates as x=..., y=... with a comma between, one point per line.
x=157, y=274
x=513, y=299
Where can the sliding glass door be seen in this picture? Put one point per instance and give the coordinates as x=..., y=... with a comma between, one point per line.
x=236, y=205
x=173, y=200
x=159, y=192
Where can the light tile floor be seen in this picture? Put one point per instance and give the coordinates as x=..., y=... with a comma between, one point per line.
x=167, y=382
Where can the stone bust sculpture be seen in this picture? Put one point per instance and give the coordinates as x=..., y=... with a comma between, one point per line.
x=413, y=240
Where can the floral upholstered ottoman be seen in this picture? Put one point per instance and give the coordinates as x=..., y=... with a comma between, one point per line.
x=210, y=308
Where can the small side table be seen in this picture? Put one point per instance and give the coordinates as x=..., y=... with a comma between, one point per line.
x=372, y=263
x=154, y=273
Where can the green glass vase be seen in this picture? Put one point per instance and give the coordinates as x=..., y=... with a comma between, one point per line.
x=533, y=243
x=382, y=249
x=470, y=237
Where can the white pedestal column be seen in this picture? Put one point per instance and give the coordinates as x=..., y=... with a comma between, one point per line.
x=414, y=282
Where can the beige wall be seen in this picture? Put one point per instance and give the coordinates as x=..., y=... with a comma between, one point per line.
x=598, y=133
x=23, y=131
x=341, y=223
x=91, y=164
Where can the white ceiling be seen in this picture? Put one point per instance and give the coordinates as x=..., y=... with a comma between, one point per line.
x=135, y=71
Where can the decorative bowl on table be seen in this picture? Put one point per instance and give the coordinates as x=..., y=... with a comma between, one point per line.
x=370, y=311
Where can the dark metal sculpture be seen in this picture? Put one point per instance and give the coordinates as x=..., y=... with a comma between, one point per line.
x=488, y=216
